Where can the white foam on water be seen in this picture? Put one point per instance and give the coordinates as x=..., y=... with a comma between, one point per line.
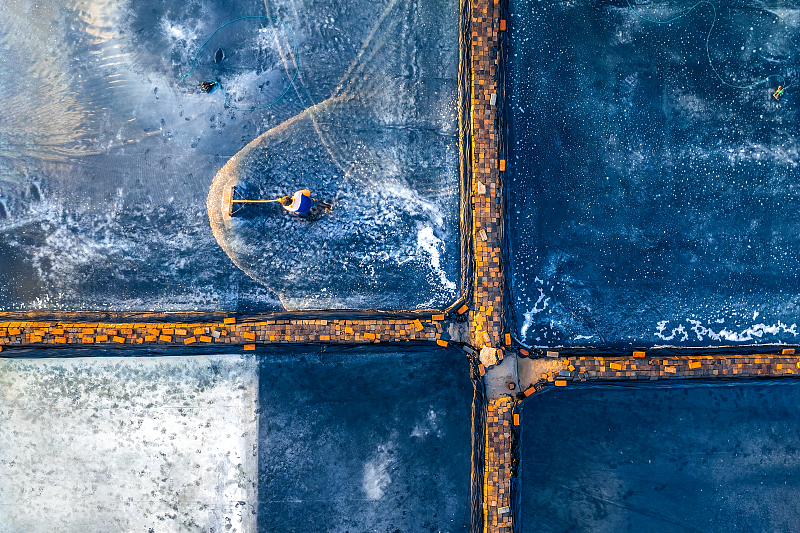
x=544, y=301
x=179, y=33
x=434, y=247
x=760, y=331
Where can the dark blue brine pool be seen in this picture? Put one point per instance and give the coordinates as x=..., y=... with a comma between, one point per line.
x=649, y=202
x=715, y=457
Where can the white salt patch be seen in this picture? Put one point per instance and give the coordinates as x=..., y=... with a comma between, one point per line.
x=145, y=444
x=427, y=426
x=376, y=473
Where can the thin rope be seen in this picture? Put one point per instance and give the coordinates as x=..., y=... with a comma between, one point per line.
x=708, y=36
x=227, y=97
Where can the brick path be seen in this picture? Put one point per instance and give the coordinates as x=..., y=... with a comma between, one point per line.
x=640, y=367
x=226, y=332
x=497, y=469
x=487, y=302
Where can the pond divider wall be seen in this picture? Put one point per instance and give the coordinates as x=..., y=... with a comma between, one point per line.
x=486, y=315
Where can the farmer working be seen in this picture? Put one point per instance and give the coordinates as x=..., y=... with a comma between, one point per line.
x=300, y=203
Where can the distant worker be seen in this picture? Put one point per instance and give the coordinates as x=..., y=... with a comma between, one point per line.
x=777, y=94
x=300, y=203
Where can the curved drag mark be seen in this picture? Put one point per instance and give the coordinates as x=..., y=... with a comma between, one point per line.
x=708, y=36
x=342, y=149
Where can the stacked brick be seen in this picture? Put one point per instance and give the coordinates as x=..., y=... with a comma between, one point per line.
x=226, y=332
x=653, y=368
x=485, y=316
x=497, y=469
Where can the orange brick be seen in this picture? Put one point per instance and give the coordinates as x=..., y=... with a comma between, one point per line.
x=181, y=332
x=165, y=338
x=249, y=347
x=502, y=24
x=417, y=325
x=694, y=364
x=324, y=337
x=205, y=338
x=36, y=338
x=561, y=383
x=523, y=351
x=369, y=336
x=14, y=331
x=615, y=366
x=154, y=332
x=57, y=331
x=508, y=339
x=119, y=340
x=529, y=391
x=249, y=336
x=437, y=318
x=199, y=331
x=87, y=340
x=102, y=338
x=638, y=354
x=88, y=331
x=463, y=309
x=168, y=331
x=502, y=165
x=516, y=419
x=60, y=340
x=190, y=340
x=441, y=342
x=229, y=321
x=149, y=338
x=481, y=369
x=348, y=330
x=788, y=351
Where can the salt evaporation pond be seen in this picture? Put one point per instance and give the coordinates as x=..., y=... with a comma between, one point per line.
x=718, y=457
x=283, y=440
x=107, y=155
x=650, y=204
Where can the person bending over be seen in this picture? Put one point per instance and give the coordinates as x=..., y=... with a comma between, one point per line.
x=300, y=203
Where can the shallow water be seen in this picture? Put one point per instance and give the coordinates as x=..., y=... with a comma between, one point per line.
x=649, y=203
x=275, y=441
x=107, y=154
x=682, y=457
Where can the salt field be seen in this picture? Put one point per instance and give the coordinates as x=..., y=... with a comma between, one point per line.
x=109, y=149
x=282, y=440
x=699, y=457
x=650, y=203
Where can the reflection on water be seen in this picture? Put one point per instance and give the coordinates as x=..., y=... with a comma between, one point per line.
x=107, y=155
